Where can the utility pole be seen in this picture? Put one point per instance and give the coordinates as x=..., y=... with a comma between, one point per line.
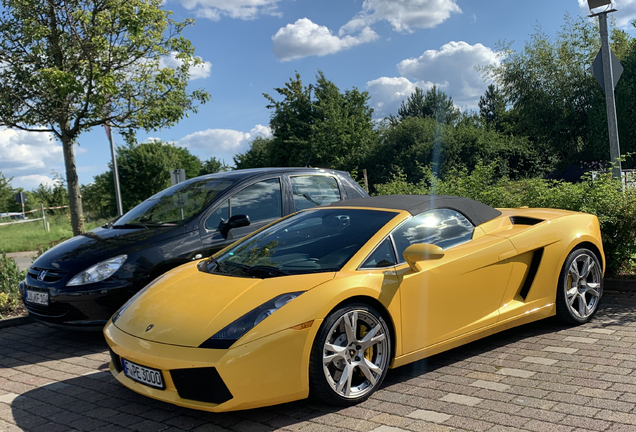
x=609, y=83
x=109, y=132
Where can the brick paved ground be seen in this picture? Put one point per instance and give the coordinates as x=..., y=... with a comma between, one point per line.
x=540, y=377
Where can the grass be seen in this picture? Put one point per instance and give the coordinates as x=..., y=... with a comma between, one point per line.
x=29, y=236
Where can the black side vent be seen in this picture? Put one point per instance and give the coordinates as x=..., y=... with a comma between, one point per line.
x=532, y=272
x=201, y=384
x=116, y=360
x=523, y=220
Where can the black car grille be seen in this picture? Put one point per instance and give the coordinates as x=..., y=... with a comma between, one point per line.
x=53, y=310
x=201, y=384
x=51, y=275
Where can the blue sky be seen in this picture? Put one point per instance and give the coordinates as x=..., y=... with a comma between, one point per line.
x=387, y=47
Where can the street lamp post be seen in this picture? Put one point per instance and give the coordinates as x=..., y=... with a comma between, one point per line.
x=608, y=83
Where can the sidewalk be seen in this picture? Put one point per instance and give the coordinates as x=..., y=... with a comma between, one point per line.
x=22, y=259
x=543, y=376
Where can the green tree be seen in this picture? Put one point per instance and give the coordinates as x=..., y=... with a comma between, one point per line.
x=68, y=66
x=492, y=108
x=550, y=87
x=144, y=170
x=432, y=104
x=213, y=165
x=315, y=125
x=6, y=194
x=55, y=195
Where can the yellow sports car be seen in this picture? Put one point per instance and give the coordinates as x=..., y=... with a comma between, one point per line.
x=325, y=301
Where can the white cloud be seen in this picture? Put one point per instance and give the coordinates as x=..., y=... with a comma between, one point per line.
x=26, y=155
x=305, y=38
x=453, y=66
x=388, y=93
x=241, y=9
x=403, y=15
x=201, y=71
x=30, y=182
x=624, y=15
x=451, y=69
x=222, y=143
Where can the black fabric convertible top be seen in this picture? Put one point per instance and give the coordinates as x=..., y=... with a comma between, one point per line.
x=476, y=212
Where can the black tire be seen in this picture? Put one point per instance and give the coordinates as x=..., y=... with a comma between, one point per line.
x=359, y=358
x=577, y=300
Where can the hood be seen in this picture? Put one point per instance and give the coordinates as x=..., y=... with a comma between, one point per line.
x=186, y=307
x=82, y=251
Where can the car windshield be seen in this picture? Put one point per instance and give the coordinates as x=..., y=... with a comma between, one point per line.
x=174, y=205
x=311, y=241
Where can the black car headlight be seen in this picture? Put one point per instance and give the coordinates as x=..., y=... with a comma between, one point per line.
x=233, y=332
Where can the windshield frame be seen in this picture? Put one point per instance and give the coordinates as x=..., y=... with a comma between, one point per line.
x=239, y=268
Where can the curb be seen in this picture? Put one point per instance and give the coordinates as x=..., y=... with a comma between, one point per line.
x=25, y=254
x=17, y=321
x=619, y=284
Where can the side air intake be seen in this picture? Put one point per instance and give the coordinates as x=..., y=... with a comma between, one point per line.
x=524, y=220
x=532, y=272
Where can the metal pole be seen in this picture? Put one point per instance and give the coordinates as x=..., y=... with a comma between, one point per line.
x=608, y=80
x=115, y=173
x=43, y=216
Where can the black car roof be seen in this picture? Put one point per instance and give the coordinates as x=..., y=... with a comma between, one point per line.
x=245, y=173
x=475, y=212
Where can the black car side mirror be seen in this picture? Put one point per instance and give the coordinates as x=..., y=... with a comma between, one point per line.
x=235, y=221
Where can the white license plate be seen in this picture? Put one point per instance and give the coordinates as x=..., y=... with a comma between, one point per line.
x=37, y=297
x=142, y=374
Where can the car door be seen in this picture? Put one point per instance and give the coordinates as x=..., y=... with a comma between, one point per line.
x=456, y=294
x=262, y=201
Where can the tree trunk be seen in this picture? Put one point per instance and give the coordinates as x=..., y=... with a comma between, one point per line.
x=74, y=196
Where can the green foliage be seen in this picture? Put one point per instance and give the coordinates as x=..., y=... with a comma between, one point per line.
x=602, y=197
x=73, y=65
x=10, y=277
x=433, y=104
x=315, y=125
x=51, y=196
x=417, y=142
x=212, y=166
x=492, y=109
x=550, y=87
x=144, y=170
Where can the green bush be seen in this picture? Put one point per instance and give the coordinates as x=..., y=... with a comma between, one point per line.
x=10, y=277
x=603, y=197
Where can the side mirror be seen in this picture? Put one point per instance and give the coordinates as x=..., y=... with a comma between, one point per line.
x=235, y=221
x=419, y=252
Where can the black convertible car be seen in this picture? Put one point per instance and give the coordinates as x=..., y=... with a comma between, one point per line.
x=80, y=283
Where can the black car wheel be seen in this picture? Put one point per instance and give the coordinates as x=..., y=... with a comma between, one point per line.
x=580, y=287
x=350, y=356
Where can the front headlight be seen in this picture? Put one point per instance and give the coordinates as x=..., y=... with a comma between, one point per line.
x=98, y=272
x=233, y=332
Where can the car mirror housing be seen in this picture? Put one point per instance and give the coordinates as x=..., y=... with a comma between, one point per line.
x=419, y=252
x=235, y=221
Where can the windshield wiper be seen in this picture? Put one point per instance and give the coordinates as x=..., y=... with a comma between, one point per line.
x=216, y=262
x=265, y=270
x=131, y=225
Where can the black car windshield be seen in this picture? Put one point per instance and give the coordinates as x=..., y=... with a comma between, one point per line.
x=319, y=240
x=174, y=205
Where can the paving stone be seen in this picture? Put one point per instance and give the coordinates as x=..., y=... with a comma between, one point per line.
x=516, y=372
x=461, y=399
x=583, y=340
x=430, y=416
x=539, y=360
x=489, y=385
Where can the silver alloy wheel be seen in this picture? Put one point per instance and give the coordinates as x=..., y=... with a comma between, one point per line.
x=355, y=354
x=583, y=286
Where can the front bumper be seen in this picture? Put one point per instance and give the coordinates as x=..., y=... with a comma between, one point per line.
x=86, y=307
x=268, y=371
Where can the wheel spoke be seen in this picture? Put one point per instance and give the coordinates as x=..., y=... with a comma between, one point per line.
x=371, y=338
x=350, y=324
x=587, y=266
x=345, y=380
x=367, y=372
x=582, y=306
x=574, y=272
x=372, y=366
x=572, y=294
